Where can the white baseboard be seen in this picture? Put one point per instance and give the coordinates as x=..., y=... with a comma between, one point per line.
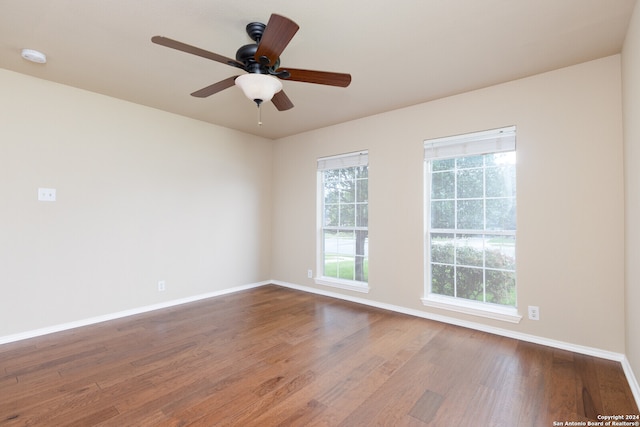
x=112, y=316
x=590, y=351
x=633, y=381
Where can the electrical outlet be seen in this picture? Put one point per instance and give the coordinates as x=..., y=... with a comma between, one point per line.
x=309, y=274
x=534, y=312
x=161, y=286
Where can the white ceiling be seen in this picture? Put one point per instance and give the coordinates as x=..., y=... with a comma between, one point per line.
x=399, y=53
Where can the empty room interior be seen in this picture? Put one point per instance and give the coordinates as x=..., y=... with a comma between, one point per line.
x=433, y=218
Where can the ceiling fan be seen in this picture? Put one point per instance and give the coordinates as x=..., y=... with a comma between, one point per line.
x=261, y=61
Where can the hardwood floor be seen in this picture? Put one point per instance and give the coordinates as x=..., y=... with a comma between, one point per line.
x=276, y=356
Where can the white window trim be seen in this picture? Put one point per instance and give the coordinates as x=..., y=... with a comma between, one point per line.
x=496, y=140
x=358, y=158
x=349, y=285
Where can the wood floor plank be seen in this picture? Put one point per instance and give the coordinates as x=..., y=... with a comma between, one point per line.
x=613, y=388
x=427, y=406
x=275, y=356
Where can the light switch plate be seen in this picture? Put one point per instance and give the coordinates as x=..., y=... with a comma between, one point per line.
x=47, y=194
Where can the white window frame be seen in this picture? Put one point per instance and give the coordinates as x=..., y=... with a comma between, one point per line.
x=477, y=143
x=358, y=158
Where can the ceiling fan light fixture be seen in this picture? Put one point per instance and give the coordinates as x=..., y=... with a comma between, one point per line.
x=259, y=87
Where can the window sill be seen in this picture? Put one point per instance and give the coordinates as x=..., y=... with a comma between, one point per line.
x=491, y=311
x=349, y=285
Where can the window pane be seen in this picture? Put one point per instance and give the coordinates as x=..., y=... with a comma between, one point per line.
x=501, y=181
x=501, y=287
x=346, y=243
x=347, y=174
x=361, y=242
x=361, y=269
x=346, y=268
x=331, y=177
x=362, y=172
x=500, y=159
x=330, y=266
x=469, y=283
x=362, y=218
x=330, y=241
x=469, y=162
x=347, y=215
x=442, y=248
x=443, y=214
x=442, y=282
x=330, y=246
x=330, y=215
x=501, y=214
x=362, y=190
x=470, y=250
x=348, y=192
x=470, y=184
x=443, y=185
x=501, y=252
x=331, y=192
x=441, y=165
x=470, y=215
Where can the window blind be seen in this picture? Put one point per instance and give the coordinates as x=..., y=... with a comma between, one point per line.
x=360, y=158
x=489, y=141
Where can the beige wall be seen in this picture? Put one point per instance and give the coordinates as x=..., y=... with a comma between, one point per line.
x=570, y=198
x=631, y=108
x=143, y=196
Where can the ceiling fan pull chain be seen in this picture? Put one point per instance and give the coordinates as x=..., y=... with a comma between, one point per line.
x=259, y=115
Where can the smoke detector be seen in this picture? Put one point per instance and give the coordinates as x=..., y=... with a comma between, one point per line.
x=34, y=56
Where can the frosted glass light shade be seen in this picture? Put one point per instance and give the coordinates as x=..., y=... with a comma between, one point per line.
x=259, y=86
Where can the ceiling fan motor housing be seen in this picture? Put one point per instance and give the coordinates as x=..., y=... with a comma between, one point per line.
x=246, y=55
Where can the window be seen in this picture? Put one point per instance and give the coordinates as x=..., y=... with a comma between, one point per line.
x=344, y=217
x=470, y=183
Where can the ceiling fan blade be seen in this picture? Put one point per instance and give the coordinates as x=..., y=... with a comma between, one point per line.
x=276, y=37
x=282, y=101
x=174, y=44
x=318, y=77
x=215, y=88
